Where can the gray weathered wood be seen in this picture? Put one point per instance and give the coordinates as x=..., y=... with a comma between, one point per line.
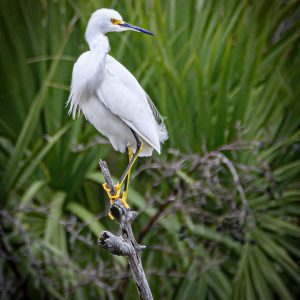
x=125, y=245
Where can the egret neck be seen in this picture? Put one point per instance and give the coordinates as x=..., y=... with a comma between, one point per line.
x=96, y=38
x=99, y=48
x=98, y=43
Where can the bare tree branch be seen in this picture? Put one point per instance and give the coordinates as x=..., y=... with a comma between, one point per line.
x=125, y=245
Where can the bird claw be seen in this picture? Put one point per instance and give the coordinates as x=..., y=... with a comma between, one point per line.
x=124, y=199
x=113, y=198
x=111, y=216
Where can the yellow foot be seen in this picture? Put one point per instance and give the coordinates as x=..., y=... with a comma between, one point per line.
x=111, y=216
x=111, y=197
x=124, y=199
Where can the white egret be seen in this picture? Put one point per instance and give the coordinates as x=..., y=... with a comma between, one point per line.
x=111, y=98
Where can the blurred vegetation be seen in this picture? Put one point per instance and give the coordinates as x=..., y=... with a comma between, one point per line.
x=219, y=209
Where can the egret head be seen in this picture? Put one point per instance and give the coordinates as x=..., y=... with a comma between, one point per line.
x=108, y=20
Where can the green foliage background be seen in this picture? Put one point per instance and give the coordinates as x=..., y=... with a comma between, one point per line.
x=226, y=75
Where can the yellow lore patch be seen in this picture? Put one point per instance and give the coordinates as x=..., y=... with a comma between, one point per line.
x=116, y=22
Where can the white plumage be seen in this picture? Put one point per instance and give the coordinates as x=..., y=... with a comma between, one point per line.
x=108, y=95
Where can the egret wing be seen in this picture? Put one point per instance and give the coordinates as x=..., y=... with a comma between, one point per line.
x=130, y=81
x=122, y=95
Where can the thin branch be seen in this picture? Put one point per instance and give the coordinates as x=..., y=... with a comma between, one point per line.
x=235, y=177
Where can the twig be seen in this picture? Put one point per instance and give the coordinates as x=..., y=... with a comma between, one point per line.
x=236, y=180
x=124, y=245
x=153, y=220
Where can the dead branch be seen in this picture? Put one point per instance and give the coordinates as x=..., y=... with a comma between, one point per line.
x=124, y=245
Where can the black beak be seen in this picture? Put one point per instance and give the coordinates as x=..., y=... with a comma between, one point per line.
x=136, y=28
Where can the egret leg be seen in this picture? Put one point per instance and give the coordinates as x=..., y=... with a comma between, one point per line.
x=125, y=175
x=125, y=192
x=139, y=148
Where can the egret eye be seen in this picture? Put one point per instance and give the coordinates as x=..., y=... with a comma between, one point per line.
x=114, y=21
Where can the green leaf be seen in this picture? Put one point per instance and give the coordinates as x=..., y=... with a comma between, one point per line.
x=86, y=216
x=35, y=161
x=32, y=119
x=54, y=232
